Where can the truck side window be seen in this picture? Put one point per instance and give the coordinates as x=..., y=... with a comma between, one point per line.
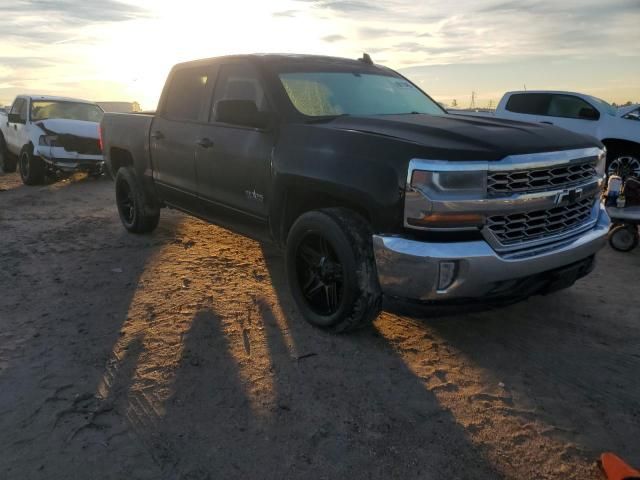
x=187, y=93
x=567, y=106
x=529, y=103
x=20, y=107
x=239, y=81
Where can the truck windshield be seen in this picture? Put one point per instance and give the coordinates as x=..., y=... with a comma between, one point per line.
x=321, y=94
x=42, y=110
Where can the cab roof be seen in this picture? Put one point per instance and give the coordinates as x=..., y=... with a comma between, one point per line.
x=286, y=58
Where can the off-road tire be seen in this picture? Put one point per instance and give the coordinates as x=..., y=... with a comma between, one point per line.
x=623, y=238
x=349, y=237
x=138, y=212
x=8, y=162
x=32, y=168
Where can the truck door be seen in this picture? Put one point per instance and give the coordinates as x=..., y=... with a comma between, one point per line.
x=16, y=136
x=174, y=132
x=233, y=161
x=573, y=113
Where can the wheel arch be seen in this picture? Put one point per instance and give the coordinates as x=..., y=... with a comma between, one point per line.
x=118, y=158
x=29, y=144
x=620, y=145
x=296, y=201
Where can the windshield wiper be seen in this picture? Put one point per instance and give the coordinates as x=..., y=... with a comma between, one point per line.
x=325, y=118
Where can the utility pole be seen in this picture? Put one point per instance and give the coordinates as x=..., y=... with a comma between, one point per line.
x=473, y=100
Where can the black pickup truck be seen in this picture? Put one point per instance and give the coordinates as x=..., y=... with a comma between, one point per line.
x=370, y=187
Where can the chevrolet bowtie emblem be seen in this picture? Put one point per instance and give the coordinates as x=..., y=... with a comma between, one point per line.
x=568, y=195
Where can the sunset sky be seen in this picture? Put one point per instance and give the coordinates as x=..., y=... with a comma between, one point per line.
x=111, y=50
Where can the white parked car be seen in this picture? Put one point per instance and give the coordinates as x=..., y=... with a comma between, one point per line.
x=44, y=134
x=617, y=129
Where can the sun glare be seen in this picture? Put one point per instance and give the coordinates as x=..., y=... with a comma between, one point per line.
x=139, y=53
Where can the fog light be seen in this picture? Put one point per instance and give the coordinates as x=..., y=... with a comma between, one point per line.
x=446, y=275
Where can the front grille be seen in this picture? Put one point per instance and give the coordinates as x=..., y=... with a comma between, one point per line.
x=528, y=226
x=82, y=145
x=539, y=179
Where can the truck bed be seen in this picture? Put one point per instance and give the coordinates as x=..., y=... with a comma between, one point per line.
x=128, y=132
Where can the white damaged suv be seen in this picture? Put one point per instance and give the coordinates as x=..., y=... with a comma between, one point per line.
x=45, y=134
x=618, y=129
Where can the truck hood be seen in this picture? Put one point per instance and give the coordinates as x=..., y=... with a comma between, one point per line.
x=459, y=136
x=59, y=126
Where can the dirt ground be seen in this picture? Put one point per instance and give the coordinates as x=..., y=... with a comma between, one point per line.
x=179, y=355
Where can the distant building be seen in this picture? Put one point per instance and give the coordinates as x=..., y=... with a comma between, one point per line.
x=120, y=107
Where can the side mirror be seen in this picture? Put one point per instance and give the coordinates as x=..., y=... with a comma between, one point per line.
x=15, y=118
x=589, y=113
x=241, y=112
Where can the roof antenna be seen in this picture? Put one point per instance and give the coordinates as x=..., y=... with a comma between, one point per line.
x=366, y=58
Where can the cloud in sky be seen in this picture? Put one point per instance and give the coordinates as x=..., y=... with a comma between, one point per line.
x=81, y=10
x=333, y=38
x=122, y=49
x=39, y=21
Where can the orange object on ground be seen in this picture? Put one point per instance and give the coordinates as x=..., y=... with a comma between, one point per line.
x=615, y=468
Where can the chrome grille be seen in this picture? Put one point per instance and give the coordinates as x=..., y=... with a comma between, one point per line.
x=528, y=226
x=538, y=179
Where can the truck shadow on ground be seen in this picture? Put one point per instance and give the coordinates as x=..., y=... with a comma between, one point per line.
x=313, y=406
x=70, y=298
x=254, y=392
x=257, y=393
x=221, y=378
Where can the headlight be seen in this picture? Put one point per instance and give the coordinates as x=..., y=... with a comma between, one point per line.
x=450, y=184
x=427, y=186
x=48, y=140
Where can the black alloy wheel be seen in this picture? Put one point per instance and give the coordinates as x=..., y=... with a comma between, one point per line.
x=126, y=202
x=320, y=273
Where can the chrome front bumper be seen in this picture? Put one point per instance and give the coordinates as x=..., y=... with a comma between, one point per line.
x=63, y=160
x=410, y=269
x=69, y=165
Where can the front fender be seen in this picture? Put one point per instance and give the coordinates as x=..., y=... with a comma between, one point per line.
x=33, y=134
x=329, y=168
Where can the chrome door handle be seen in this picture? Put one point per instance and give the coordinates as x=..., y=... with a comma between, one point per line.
x=157, y=135
x=548, y=123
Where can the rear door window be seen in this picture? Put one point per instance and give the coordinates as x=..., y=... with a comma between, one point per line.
x=529, y=103
x=188, y=94
x=239, y=81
